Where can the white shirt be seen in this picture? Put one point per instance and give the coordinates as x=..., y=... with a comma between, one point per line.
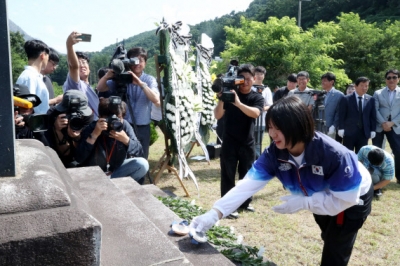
x=31, y=78
x=267, y=94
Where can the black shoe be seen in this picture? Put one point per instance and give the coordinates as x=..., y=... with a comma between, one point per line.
x=398, y=181
x=378, y=193
x=233, y=215
x=249, y=208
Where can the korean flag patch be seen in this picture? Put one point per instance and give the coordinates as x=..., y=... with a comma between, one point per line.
x=317, y=170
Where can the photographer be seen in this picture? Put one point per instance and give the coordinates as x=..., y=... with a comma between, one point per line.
x=22, y=129
x=68, y=118
x=140, y=93
x=109, y=141
x=238, y=139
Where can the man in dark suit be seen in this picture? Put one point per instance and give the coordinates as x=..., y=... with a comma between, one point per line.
x=357, y=117
x=387, y=104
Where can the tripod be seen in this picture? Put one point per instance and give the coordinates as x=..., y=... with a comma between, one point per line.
x=319, y=116
x=258, y=133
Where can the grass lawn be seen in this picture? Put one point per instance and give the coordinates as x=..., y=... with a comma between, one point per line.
x=291, y=239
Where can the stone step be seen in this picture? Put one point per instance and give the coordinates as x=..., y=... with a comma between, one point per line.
x=162, y=217
x=129, y=237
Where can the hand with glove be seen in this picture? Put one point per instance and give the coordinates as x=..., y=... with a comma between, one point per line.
x=204, y=222
x=294, y=203
x=341, y=132
x=331, y=130
x=373, y=134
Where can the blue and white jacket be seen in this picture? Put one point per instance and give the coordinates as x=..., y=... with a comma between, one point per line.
x=330, y=177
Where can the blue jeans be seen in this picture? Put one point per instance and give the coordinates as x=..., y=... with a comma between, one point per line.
x=133, y=167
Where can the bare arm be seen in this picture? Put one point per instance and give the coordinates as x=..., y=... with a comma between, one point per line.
x=252, y=112
x=73, y=63
x=381, y=184
x=102, y=85
x=150, y=94
x=153, y=96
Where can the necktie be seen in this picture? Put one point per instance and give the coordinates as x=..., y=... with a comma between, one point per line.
x=360, y=120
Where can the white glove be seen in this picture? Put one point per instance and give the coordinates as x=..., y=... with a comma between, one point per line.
x=341, y=132
x=204, y=222
x=373, y=134
x=331, y=130
x=294, y=203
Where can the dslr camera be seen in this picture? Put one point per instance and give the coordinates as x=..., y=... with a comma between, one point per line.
x=75, y=118
x=113, y=122
x=119, y=64
x=225, y=84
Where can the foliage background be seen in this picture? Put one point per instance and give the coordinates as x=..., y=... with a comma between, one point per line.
x=351, y=38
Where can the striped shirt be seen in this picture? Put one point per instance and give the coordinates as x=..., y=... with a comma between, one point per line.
x=386, y=169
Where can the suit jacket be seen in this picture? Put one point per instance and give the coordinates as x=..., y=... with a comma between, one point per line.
x=349, y=114
x=384, y=109
x=332, y=108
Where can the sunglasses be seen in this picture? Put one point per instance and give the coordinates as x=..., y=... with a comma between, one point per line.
x=391, y=77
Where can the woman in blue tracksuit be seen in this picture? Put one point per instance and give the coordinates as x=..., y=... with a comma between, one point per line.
x=323, y=177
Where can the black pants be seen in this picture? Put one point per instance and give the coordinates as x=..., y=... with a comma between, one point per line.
x=143, y=135
x=235, y=156
x=355, y=141
x=339, y=239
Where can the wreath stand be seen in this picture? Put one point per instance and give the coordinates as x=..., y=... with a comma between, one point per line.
x=165, y=161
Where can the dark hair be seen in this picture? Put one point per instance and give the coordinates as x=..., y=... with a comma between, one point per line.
x=260, y=69
x=246, y=68
x=234, y=62
x=393, y=71
x=53, y=55
x=376, y=156
x=137, y=52
x=361, y=79
x=33, y=48
x=303, y=74
x=83, y=56
x=105, y=110
x=123, y=109
x=102, y=71
x=292, y=77
x=292, y=117
x=329, y=76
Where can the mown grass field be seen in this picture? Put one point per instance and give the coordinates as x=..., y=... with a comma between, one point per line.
x=291, y=239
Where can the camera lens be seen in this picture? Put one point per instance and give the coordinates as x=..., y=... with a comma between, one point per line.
x=76, y=123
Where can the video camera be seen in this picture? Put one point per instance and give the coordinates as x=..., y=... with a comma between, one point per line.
x=230, y=81
x=119, y=63
x=35, y=122
x=320, y=94
x=113, y=122
x=259, y=88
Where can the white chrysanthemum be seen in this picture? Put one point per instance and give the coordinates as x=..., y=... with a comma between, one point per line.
x=260, y=251
x=239, y=239
x=183, y=123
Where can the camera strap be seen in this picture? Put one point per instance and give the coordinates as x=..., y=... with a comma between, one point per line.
x=108, y=155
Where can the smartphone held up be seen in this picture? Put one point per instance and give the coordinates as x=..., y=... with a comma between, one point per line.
x=85, y=37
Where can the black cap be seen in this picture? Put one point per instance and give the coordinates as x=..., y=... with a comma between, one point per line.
x=22, y=91
x=74, y=96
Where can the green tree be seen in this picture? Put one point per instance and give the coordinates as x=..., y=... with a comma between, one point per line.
x=282, y=48
x=368, y=49
x=18, y=56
